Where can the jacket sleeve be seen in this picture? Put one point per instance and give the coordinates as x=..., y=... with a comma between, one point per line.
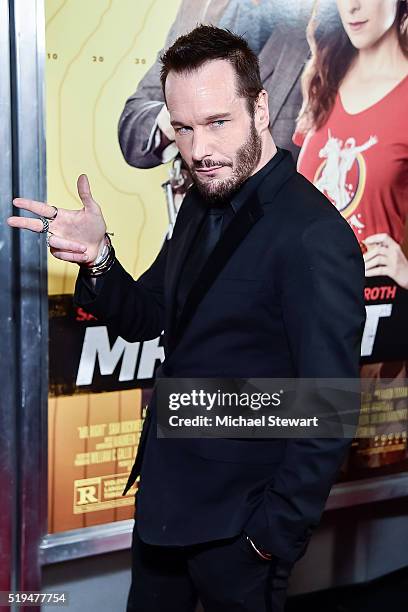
x=133, y=309
x=139, y=135
x=322, y=289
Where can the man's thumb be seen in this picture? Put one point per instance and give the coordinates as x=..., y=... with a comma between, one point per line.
x=84, y=191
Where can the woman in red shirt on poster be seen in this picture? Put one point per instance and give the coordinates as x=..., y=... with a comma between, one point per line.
x=353, y=126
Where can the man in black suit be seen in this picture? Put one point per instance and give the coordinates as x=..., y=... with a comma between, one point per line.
x=262, y=278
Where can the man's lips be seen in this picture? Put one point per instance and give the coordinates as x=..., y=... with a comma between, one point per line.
x=208, y=170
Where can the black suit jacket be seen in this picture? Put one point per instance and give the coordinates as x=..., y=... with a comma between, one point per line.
x=281, y=296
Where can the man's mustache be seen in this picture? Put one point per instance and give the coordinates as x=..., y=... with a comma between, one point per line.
x=208, y=163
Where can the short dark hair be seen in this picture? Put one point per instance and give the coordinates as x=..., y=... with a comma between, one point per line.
x=206, y=43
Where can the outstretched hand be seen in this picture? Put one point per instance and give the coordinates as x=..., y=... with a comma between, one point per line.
x=77, y=236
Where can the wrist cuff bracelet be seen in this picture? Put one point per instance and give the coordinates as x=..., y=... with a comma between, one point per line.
x=103, y=263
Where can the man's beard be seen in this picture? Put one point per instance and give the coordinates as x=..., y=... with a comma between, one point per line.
x=246, y=160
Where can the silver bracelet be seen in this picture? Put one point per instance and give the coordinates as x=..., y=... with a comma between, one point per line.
x=103, y=262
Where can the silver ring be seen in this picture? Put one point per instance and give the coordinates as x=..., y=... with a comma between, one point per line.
x=46, y=225
x=47, y=238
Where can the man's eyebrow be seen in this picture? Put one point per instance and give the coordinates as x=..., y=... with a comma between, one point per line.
x=208, y=119
x=177, y=124
x=218, y=116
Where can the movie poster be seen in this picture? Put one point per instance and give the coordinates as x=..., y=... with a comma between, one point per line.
x=106, y=117
x=96, y=54
x=353, y=146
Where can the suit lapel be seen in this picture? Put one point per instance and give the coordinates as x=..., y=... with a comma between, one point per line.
x=236, y=231
x=178, y=254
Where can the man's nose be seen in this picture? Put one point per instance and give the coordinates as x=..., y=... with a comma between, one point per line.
x=201, y=148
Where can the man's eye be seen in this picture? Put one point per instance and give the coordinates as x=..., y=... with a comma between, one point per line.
x=219, y=123
x=183, y=130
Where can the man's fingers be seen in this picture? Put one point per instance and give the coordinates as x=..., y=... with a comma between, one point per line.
x=66, y=245
x=39, y=208
x=68, y=256
x=84, y=192
x=34, y=225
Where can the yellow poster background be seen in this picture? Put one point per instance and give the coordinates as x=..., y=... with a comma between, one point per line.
x=96, y=53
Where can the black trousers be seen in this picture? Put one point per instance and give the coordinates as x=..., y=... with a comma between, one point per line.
x=225, y=576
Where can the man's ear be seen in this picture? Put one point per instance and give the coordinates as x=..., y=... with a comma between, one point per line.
x=262, y=111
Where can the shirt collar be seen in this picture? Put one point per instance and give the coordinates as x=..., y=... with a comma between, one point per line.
x=252, y=183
